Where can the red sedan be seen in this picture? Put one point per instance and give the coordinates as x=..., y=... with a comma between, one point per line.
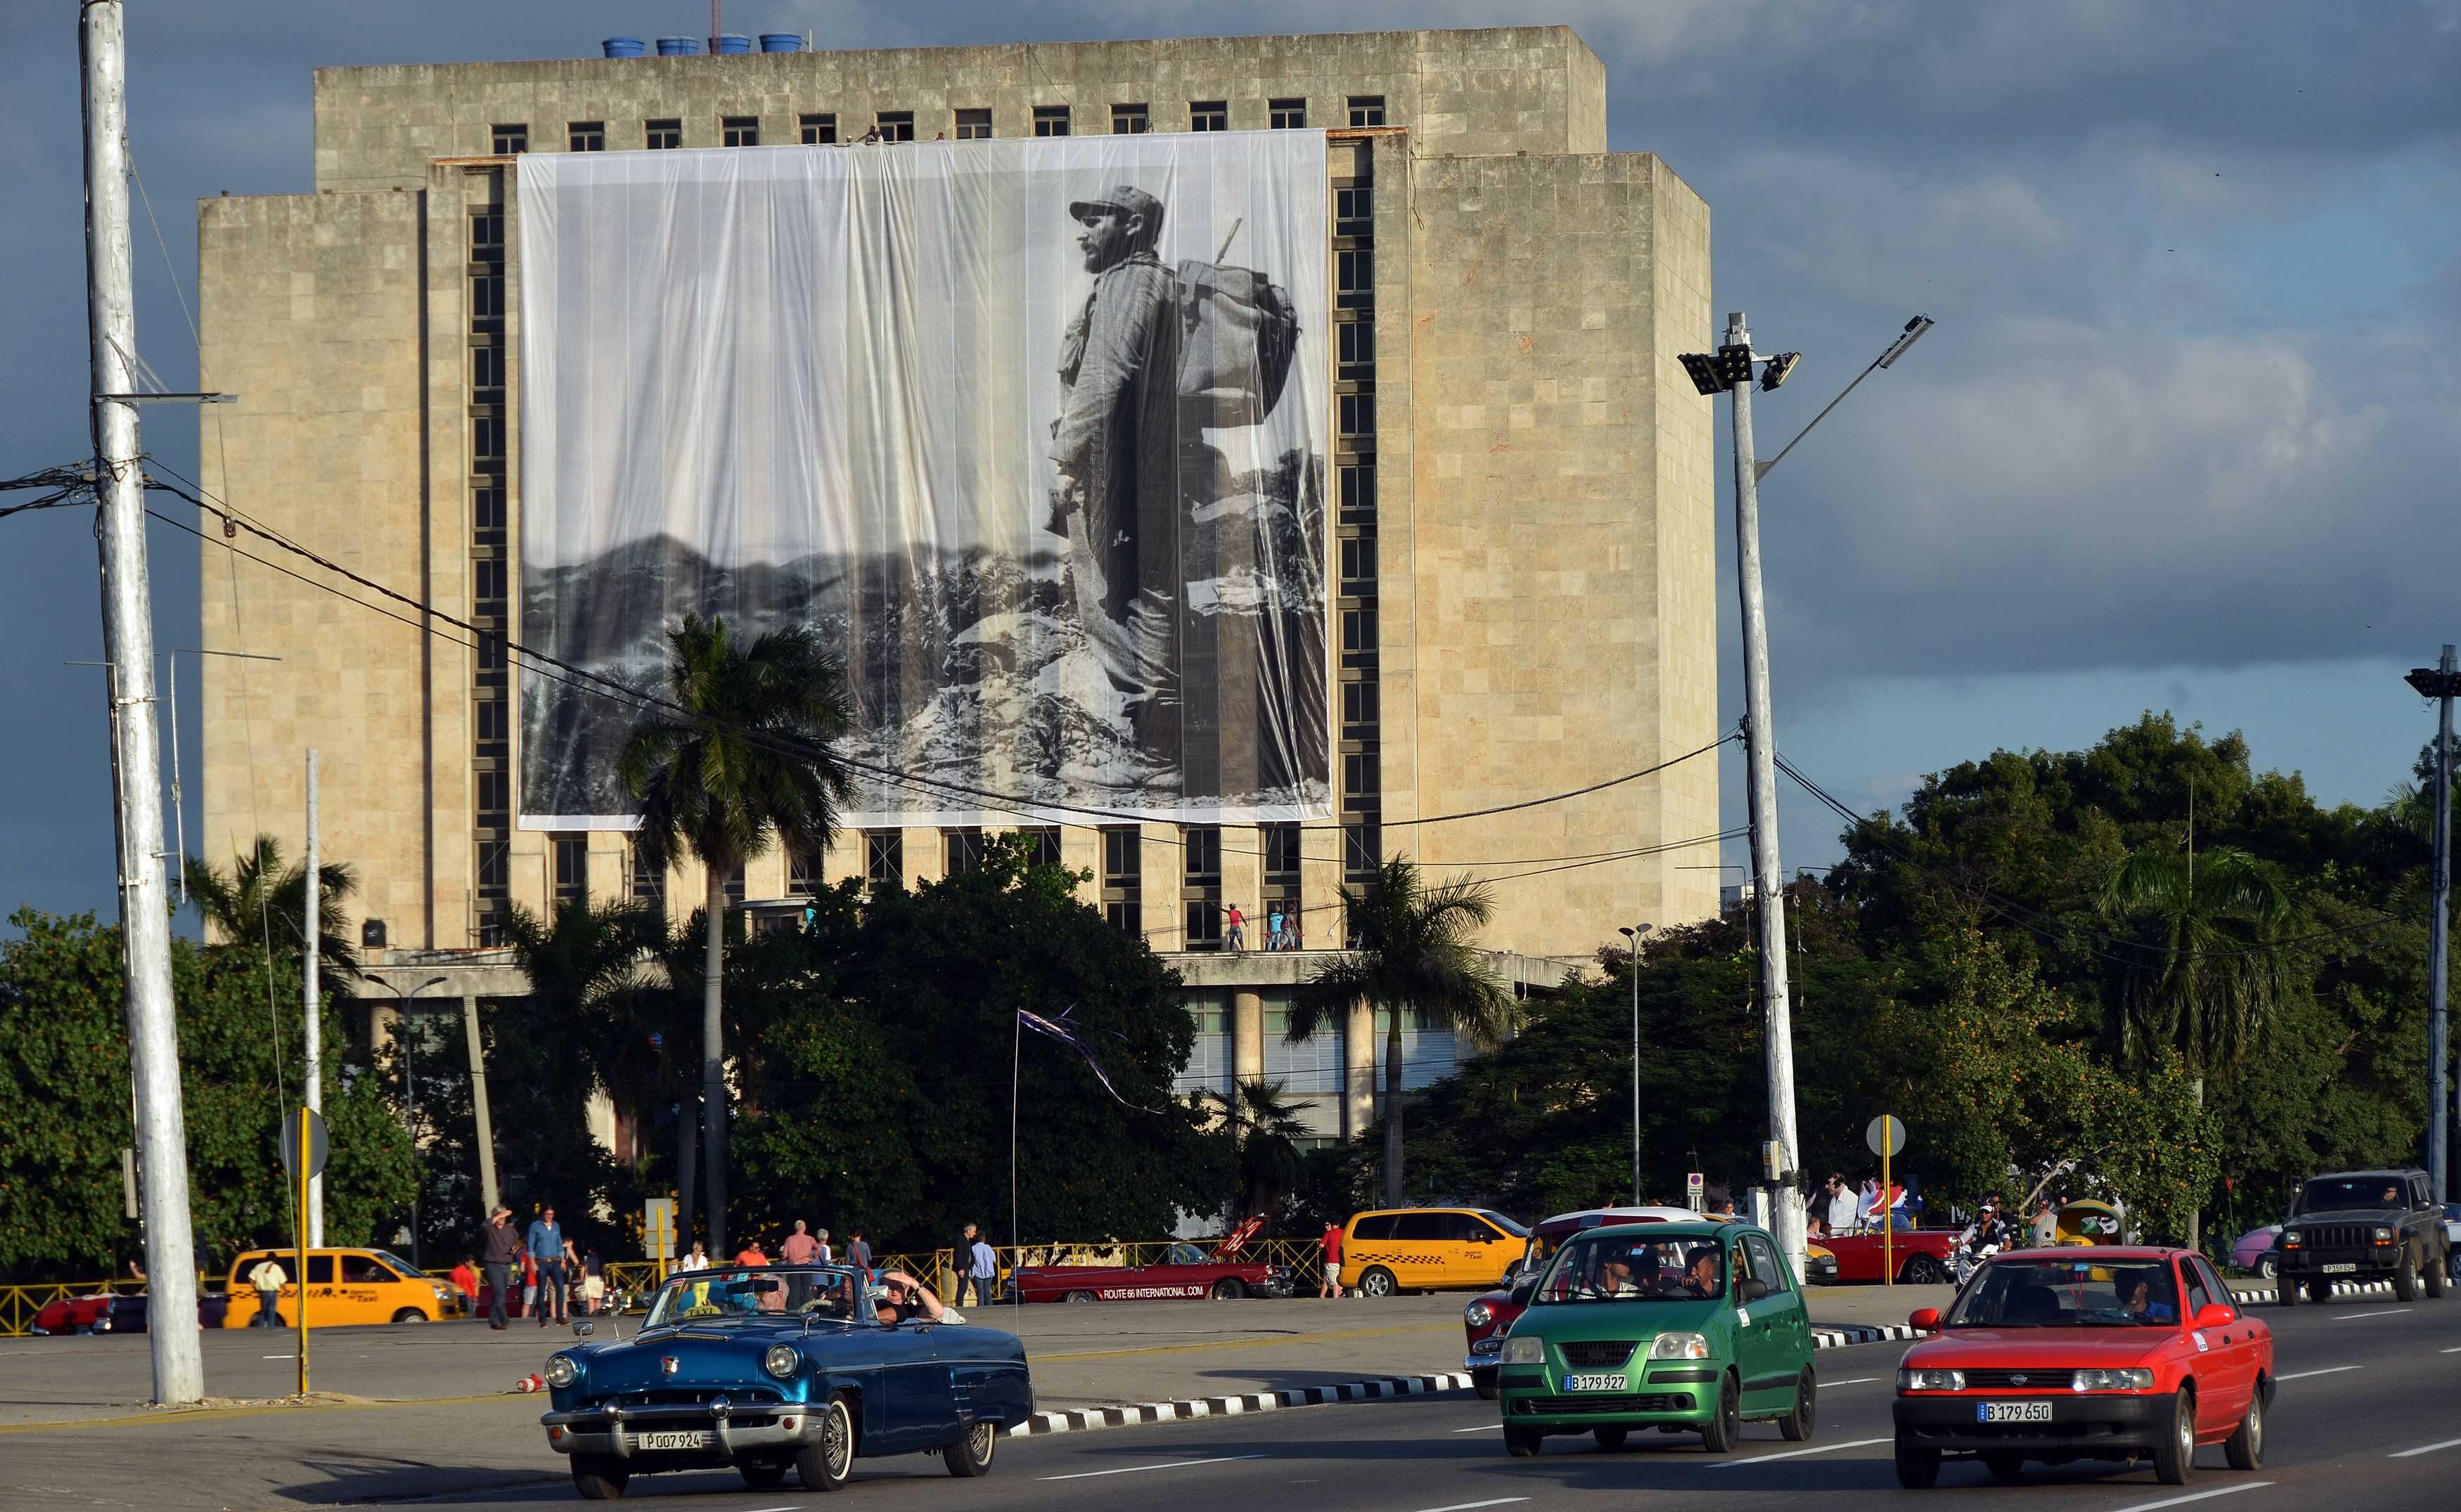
x=1189, y=1272
x=2098, y=1354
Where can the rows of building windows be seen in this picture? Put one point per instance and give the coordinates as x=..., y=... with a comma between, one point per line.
x=965, y=123
x=1359, y=793
x=490, y=591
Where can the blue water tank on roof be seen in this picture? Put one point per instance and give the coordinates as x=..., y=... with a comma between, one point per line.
x=677, y=46
x=780, y=42
x=624, y=47
x=730, y=43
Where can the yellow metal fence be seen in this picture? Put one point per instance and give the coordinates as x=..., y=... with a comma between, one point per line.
x=19, y=1305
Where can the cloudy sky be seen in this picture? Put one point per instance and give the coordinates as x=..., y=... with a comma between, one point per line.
x=2183, y=440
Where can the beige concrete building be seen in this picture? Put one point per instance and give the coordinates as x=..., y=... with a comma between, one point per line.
x=1526, y=558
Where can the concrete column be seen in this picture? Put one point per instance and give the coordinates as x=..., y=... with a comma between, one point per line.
x=486, y=1130
x=1247, y=1036
x=1359, y=1051
x=926, y=856
x=1243, y=880
x=1161, y=864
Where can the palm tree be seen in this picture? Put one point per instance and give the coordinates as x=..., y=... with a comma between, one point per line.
x=1266, y=1128
x=1410, y=954
x=2203, y=967
x=584, y=959
x=743, y=760
x=259, y=901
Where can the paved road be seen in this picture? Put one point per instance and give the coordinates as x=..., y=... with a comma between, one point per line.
x=2366, y=1388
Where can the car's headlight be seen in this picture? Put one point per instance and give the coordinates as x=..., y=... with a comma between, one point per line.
x=561, y=1371
x=2135, y=1379
x=781, y=1361
x=1524, y=1352
x=1930, y=1380
x=2383, y=1236
x=1679, y=1346
x=1479, y=1315
x=2292, y=1239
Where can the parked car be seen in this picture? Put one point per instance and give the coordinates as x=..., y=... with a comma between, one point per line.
x=1490, y=1314
x=1187, y=1271
x=1922, y=1256
x=2453, y=1239
x=116, y=1312
x=1387, y=1250
x=1691, y=1327
x=2364, y=1225
x=2054, y=1354
x=776, y=1368
x=2258, y=1251
x=344, y=1286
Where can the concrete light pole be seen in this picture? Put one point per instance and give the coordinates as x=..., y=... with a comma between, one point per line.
x=2439, y=682
x=135, y=741
x=1633, y=934
x=312, y=1035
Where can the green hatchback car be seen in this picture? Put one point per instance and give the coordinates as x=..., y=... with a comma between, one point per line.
x=1684, y=1328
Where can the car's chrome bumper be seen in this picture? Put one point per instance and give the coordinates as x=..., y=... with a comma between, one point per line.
x=615, y=1430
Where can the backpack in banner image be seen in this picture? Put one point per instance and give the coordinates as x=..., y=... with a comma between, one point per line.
x=1238, y=334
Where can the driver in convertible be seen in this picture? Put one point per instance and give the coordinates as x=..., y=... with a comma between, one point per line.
x=900, y=1298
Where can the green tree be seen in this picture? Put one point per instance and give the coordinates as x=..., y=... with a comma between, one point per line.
x=1410, y=954
x=746, y=760
x=1265, y=1126
x=2202, y=968
x=260, y=900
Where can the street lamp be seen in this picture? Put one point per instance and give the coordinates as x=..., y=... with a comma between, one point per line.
x=410, y=1085
x=1730, y=370
x=1633, y=934
x=2439, y=682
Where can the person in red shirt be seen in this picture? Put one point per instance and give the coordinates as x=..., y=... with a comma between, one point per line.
x=465, y=1281
x=800, y=1249
x=751, y=1254
x=1330, y=1243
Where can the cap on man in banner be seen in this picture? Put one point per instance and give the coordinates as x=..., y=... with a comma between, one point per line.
x=1127, y=200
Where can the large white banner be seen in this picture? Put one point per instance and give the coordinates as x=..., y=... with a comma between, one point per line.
x=1033, y=432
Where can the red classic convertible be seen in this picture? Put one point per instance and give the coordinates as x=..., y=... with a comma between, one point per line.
x=1920, y=1255
x=1189, y=1272
x=2099, y=1353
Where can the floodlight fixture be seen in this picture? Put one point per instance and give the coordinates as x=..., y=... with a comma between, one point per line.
x=1914, y=332
x=1734, y=365
x=1704, y=370
x=1776, y=368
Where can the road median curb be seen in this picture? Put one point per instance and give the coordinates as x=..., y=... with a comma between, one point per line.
x=1870, y=1333
x=2271, y=1290
x=1088, y=1420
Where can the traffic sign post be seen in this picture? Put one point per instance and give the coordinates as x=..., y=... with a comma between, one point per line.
x=1693, y=1191
x=658, y=1231
x=1885, y=1136
x=302, y=1132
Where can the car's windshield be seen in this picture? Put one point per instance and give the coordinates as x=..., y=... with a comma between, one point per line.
x=408, y=1271
x=2330, y=1193
x=1515, y=1229
x=2069, y=1293
x=757, y=1293
x=1592, y=1268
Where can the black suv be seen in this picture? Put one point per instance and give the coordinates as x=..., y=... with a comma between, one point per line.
x=2364, y=1225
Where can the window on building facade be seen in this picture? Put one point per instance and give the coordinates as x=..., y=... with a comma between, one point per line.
x=571, y=855
x=1354, y=211
x=487, y=237
x=649, y=884
x=1357, y=414
x=1358, y=710
x=884, y=856
x=961, y=851
x=1281, y=852
x=896, y=125
x=974, y=125
x=1130, y=121
x=1358, y=567
x=803, y=871
x=1201, y=847
x=1361, y=778
x=1367, y=110
x=487, y=595
x=659, y=135
x=488, y=440
x=493, y=721
x=738, y=131
x=486, y=297
x=1358, y=637
x=1357, y=488
x=487, y=517
x=494, y=790
x=731, y=890
x=495, y=868
x=488, y=375
x=510, y=138
x=586, y=136
x=1287, y=115
x=1051, y=120
x=1209, y=115
x=1360, y=841
x=1353, y=278
x=1043, y=846
x=1122, y=879
x=1354, y=350
x=817, y=128
x=1202, y=926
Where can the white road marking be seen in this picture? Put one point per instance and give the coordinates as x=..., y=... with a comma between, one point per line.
x=2329, y=1370
x=2198, y=1496
x=1129, y=1470
x=1482, y=1428
x=1466, y=1506
x=795, y=1508
x=1797, y=1454
x=2426, y=1449
x=2456, y=1349
x=278, y=1357
x=1859, y=1380
x=2345, y=1317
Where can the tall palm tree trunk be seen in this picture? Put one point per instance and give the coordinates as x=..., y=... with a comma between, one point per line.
x=2196, y=1210
x=1393, y=1112
x=713, y=1060
x=687, y=1167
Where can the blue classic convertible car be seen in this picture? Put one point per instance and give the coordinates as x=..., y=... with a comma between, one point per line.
x=773, y=1368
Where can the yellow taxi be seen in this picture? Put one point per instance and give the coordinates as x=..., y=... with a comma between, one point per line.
x=344, y=1286
x=1428, y=1249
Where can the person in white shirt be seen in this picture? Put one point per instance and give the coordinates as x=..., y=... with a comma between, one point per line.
x=1841, y=1206
x=697, y=1260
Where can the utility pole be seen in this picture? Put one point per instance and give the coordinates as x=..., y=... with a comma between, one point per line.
x=135, y=743
x=1633, y=934
x=485, y=1124
x=313, y=1036
x=2439, y=683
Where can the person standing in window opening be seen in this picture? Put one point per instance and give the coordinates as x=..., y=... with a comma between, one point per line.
x=1116, y=446
x=1234, y=924
x=1274, y=927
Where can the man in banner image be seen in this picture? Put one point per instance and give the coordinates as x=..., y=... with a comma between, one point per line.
x=1115, y=443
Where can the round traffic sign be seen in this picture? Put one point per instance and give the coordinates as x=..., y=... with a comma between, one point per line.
x=1885, y=1135
x=315, y=1145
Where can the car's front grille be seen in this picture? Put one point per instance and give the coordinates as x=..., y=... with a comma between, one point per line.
x=2046, y=1379
x=1598, y=1354
x=740, y=1399
x=1600, y=1402
x=2336, y=1235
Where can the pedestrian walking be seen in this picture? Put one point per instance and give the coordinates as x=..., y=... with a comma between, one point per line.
x=827, y=1256
x=268, y=1278
x=594, y=1281
x=800, y=1249
x=1331, y=1246
x=551, y=1253
x=501, y=1248
x=465, y=1281
x=1235, y=926
x=859, y=1252
x=982, y=1269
